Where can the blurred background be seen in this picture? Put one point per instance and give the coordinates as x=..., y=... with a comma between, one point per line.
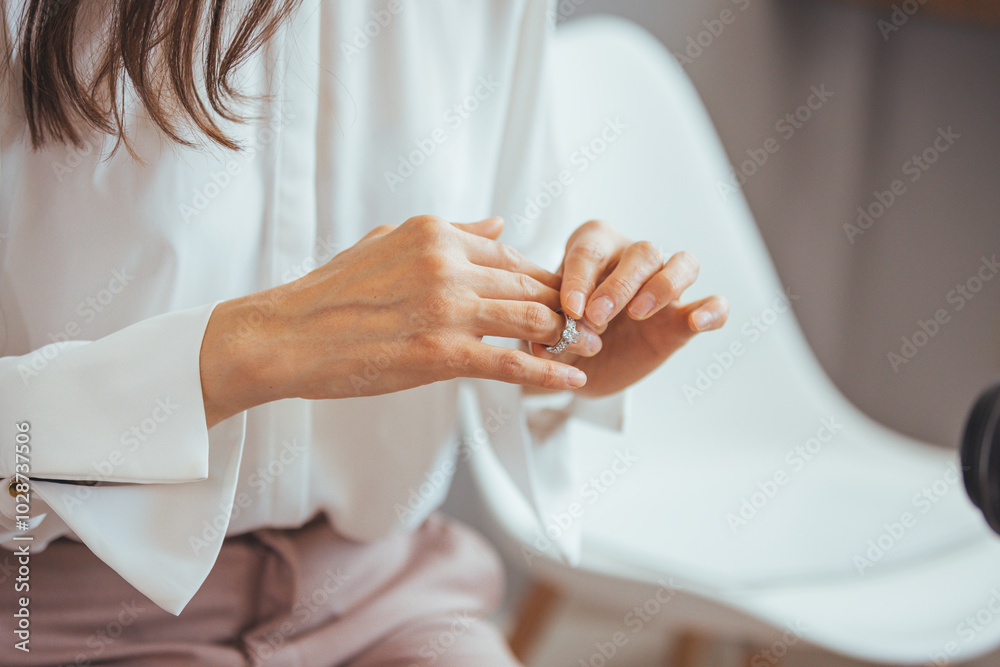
x=899, y=79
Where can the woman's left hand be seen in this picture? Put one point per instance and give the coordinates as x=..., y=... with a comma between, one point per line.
x=626, y=300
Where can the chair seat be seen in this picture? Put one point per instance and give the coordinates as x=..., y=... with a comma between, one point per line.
x=735, y=508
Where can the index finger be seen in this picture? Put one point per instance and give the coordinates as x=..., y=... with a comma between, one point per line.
x=590, y=251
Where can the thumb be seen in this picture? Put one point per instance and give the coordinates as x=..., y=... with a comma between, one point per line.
x=489, y=228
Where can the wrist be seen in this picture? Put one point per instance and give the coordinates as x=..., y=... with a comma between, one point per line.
x=239, y=368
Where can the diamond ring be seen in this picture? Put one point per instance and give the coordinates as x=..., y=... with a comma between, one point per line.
x=569, y=336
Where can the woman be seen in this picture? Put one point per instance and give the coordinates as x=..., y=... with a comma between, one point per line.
x=233, y=339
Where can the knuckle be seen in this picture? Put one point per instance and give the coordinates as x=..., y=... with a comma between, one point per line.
x=670, y=284
x=536, y=319
x=510, y=366
x=510, y=256
x=526, y=284
x=456, y=360
x=688, y=260
x=422, y=220
x=413, y=223
x=435, y=265
x=593, y=226
x=447, y=346
x=622, y=286
x=590, y=251
x=428, y=226
x=550, y=377
x=417, y=320
x=648, y=252
x=427, y=347
x=438, y=308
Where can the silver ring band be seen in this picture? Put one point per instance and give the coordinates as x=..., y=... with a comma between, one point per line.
x=569, y=336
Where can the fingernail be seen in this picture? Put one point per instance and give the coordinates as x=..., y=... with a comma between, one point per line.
x=591, y=342
x=574, y=303
x=641, y=305
x=599, y=310
x=702, y=320
x=575, y=378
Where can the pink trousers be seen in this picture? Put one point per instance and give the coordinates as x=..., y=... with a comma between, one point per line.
x=304, y=597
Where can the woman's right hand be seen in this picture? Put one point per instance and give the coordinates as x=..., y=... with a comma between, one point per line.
x=405, y=306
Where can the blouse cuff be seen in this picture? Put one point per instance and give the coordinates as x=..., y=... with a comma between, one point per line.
x=125, y=408
x=125, y=411
x=607, y=412
x=161, y=538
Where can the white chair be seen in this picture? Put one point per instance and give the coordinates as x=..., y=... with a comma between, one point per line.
x=870, y=547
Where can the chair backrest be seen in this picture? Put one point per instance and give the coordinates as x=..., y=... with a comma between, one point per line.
x=668, y=179
x=755, y=384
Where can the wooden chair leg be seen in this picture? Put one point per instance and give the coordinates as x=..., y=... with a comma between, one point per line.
x=534, y=616
x=686, y=650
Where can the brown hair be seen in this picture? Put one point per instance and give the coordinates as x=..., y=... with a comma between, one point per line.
x=178, y=57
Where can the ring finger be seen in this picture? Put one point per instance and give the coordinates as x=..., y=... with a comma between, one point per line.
x=532, y=322
x=588, y=344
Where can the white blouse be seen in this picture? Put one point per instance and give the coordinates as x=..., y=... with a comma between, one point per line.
x=109, y=270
